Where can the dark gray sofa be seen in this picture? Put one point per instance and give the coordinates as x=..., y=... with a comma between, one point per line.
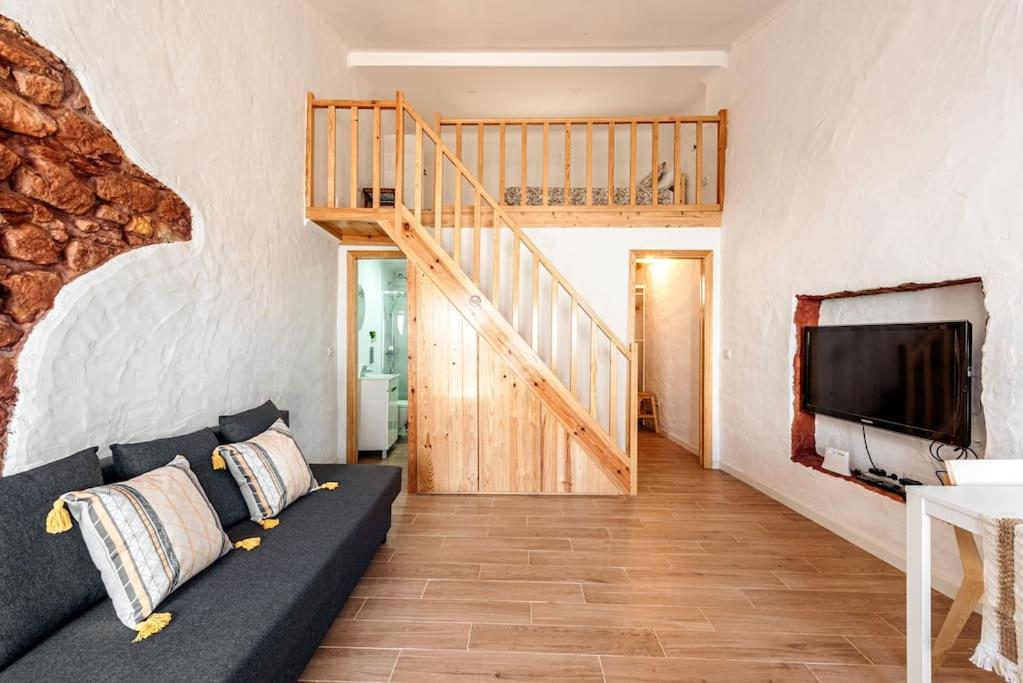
x=252, y=616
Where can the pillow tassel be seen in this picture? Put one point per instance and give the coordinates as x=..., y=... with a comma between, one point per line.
x=156, y=622
x=218, y=461
x=58, y=520
x=269, y=523
x=248, y=543
x=328, y=486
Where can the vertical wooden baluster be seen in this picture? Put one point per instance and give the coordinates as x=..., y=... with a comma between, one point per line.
x=477, y=233
x=568, y=162
x=589, y=163
x=438, y=188
x=546, y=158
x=677, y=163
x=457, y=237
x=554, y=323
x=593, y=366
x=479, y=154
x=632, y=164
x=332, y=157
x=500, y=163
x=522, y=188
x=631, y=413
x=655, y=185
x=535, y=312
x=309, y=135
x=399, y=152
x=376, y=157
x=612, y=393
x=610, y=163
x=699, y=163
x=353, y=181
x=496, y=263
x=573, y=345
x=458, y=141
x=722, y=146
x=418, y=182
x=516, y=275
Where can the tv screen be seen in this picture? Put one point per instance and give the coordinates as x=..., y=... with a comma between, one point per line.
x=910, y=378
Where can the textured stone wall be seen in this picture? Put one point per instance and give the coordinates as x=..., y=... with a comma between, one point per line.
x=69, y=198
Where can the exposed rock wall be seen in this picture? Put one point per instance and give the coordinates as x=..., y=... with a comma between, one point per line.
x=69, y=198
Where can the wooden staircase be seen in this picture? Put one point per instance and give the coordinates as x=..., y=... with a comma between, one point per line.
x=576, y=373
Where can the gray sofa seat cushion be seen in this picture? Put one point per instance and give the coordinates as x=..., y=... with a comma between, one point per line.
x=46, y=580
x=133, y=459
x=247, y=424
x=252, y=616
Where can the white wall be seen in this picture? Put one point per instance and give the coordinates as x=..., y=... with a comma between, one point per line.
x=209, y=98
x=905, y=455
x=849, y=167
x=673, y=299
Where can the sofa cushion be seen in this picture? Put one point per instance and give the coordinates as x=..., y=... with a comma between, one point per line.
x=247, y=424
x=148, y=536
x=45, y=580
x=251, y=616
x=270, y=470
x=133, y=459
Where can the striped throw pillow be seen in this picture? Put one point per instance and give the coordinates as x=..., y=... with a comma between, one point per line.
x=148, y=536
x=270, y=470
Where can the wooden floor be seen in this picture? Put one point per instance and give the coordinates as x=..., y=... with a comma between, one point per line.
x=699, y=578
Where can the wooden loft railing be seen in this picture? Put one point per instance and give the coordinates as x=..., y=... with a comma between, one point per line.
x=583, y=358
x=587, y=157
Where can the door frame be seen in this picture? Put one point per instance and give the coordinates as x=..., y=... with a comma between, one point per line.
x=706, y=259
x=352, y=344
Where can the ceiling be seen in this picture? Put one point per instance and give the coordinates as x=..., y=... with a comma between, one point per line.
x=541, y=25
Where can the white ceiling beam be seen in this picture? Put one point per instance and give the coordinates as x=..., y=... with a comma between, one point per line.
x=538, y=59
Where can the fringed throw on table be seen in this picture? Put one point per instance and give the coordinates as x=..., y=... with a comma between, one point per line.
x=1002, y=630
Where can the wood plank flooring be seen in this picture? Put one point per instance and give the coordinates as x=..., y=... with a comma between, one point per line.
x=699, y=578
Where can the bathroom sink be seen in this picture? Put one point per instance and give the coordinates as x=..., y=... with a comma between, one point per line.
x=378, y=375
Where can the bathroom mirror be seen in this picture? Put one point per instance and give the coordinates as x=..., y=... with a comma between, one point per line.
x=360, y=309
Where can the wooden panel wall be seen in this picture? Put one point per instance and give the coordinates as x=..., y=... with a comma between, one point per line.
x=478, y=428
x=446, y=409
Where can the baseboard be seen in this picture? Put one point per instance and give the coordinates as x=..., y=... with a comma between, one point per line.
x=941, y=584
x=680, y=442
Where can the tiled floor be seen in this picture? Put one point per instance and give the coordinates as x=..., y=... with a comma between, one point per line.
x=699, y=578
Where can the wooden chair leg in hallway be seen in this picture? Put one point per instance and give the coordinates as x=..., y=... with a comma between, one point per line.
x=649, y=409
x=966, y=600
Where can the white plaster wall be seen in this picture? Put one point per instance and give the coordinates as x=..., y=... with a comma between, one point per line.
x=894, y=452
x=208, y=97
x=850, y=167
x=673, y=301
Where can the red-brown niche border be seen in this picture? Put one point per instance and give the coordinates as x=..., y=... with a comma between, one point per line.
x=807, y=314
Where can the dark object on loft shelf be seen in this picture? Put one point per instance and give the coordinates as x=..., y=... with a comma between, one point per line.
x=386, y=197
x=911, y=378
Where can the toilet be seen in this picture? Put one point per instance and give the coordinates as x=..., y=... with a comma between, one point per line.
x=402, y=415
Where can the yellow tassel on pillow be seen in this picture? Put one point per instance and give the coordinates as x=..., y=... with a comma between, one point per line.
x=58, y=520
x=328, y=486
x=269, y=523
x=248, y=543
x=156, y=622
x=218, y=461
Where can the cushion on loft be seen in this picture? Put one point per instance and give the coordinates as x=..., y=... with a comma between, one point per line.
x=269, y=469
x=45, y=580
x=133, y=459
x=249, y=423
x=148, y=536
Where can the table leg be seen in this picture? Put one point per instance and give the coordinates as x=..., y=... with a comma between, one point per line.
x=918, y=592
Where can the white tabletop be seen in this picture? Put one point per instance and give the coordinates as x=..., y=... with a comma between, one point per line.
x=973, y=500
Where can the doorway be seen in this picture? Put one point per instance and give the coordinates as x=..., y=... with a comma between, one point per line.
x=670, y=304
x=377, y=358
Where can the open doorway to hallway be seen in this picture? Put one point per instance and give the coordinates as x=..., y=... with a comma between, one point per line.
x=670, y=322
x=377, y=368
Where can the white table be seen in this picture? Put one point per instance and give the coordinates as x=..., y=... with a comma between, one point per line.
x=960, y=506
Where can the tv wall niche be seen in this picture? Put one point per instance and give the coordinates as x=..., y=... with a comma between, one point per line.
x=70, y=200
x=905, y=303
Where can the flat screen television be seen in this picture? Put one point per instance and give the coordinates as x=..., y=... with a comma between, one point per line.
x=910, y=378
